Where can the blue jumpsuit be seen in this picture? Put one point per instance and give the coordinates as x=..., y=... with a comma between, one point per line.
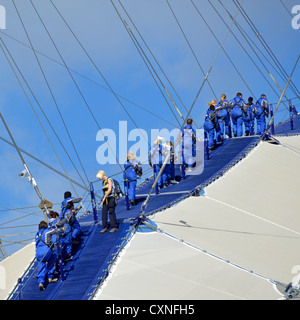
x=209, y=126
x=76, y=230
x=262, y=108
x=130, y=177
x=248, y=120
x=65, y=236
x=188, y=146
x=156, y=159
x=45, y=256
x=223, y=117
x=237, y=105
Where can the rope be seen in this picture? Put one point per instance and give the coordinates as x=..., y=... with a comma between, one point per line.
x=73, y=79
x=52, y=95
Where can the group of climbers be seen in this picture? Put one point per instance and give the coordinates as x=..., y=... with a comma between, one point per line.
x=227, y=118
x=223, y=118
x=54, y=240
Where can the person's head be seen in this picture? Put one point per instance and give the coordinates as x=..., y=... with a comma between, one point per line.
x=43, y=225
x=213, y=103
x=169, y=143
x=250, y=100
x=189, y=122
x=239, y=95
x=131, y=156
x=53, y=214
x=67, y=194
x=223, y=97
x=70, y=205
x=101, y=175
x=263, y=96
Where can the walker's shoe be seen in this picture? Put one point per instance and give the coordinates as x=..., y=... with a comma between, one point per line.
x=104, y=230
x=113, y=230
x=42, y=288
x=52, y=280
x=69, y=257
x=132, y=203
x=174, y=182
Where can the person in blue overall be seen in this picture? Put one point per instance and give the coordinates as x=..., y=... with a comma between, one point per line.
x=248, y=117
x=76, y=230
x=211, y=123
x=171, y=168
x=261, y=112
x=238, y=106
x=188, y=135
x=224, y=116
x=46, y=257
x=61, y=231
x=156, y=158
x=133, y=170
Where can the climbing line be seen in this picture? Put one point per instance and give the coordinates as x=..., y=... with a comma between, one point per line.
x=252, y=215
x=160, y=230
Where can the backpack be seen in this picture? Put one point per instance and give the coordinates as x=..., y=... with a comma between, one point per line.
x=118, y=191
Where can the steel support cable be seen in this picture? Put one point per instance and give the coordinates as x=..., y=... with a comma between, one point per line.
x=190, y=46
x=255, y=64
x=264, y=43
x=263, y=54
x=282, y=95
x=30, y=103
x=159, y=230
x=74, y=81
x=154, y=58
x=51, y=91
x=144, y=58
x=286, y=9
x=144, y=205
x=46, y=165
x=223, y=49
x=98, y=70
x=267, y=70
x=87, y=78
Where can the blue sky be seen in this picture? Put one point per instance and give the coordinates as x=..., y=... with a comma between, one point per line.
x=102, y=34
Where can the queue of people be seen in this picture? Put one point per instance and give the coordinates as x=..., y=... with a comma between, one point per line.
x=223, y=119
x=55, y=239
x=235, y=118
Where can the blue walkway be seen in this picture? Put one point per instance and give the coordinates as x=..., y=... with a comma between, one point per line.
x=92, y=258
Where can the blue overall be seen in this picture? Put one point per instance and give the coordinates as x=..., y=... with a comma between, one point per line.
x=223, y=118
x=45, y=256
x=130, y=177
x=209, y=126
x=260, y=115
x=156, y=159
x=76, y=230
x=248, y=120
x=188, y=146
x=237, y=116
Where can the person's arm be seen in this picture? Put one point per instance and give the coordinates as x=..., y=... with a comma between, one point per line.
x=108, y=190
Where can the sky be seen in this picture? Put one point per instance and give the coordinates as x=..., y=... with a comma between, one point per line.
x=108, y=80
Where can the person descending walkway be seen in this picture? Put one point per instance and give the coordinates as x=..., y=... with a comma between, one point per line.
x=261, y=112
x=46, y=257
x=109, y=202
x=224, y=117
x=156, y=158
x=133, y=170
x=238, y=107
x=248, y=117
x=211, y=123
x=188, y=135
